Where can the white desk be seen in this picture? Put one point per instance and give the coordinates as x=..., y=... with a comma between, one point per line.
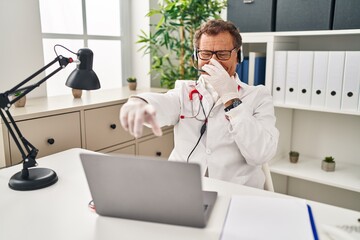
x=61, y=211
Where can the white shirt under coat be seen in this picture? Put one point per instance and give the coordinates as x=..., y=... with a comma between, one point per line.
x=235, y=144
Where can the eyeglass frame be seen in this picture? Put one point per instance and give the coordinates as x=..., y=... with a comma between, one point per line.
x=216, y=53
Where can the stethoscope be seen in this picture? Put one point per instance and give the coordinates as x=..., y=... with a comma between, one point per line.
x=195, y=113
x=195, y=116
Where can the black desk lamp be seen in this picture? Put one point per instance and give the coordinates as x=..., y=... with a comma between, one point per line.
x=83, y=77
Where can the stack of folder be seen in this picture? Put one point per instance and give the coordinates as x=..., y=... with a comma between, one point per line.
x=252, y=69
x=319, y=79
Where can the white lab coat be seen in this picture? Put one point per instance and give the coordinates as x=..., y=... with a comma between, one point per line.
x=235, y=144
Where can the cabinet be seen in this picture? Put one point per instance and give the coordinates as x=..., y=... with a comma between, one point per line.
x=159, y=147
x=49, y=134
x=54, y=124
x=103, y=129
x=313, y=131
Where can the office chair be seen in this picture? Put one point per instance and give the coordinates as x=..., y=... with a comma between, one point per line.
x=268, y=180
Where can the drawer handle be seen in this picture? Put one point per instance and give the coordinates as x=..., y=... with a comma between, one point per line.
x=158, y=154
x=51, y=141
x=113, y=126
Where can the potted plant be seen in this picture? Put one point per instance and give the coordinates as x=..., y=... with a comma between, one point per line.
x=21, y=102
x=294, y=156
x=170, y=43
x=328, y=164
x=132, y=83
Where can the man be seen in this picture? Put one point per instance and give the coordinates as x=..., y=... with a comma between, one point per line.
x=219, y=122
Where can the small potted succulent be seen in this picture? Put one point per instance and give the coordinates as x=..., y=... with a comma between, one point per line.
x=294, y=156
x=328, y=164
x=21, y=102
x=132, y=83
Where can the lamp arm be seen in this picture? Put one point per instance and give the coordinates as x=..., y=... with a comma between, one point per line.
x=27, y=150
x=63, y=61
x=29, y=156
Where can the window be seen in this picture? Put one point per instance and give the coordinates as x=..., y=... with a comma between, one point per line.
x=85, y=23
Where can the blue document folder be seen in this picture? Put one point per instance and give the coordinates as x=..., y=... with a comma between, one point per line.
x=242, y=69
x=260, y=67
x=256, y=217
x=245, y=70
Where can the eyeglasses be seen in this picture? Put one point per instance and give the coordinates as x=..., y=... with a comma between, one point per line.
x=221, y=55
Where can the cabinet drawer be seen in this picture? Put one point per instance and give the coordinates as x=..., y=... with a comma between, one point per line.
x=158, y=146
x=103, y=129
x=49, y=134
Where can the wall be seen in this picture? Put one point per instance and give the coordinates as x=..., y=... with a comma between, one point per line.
x=20, y=43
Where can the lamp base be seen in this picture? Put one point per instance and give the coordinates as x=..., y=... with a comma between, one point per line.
x=38, y=178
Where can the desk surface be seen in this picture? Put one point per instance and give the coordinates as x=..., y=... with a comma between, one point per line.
x=61, y=211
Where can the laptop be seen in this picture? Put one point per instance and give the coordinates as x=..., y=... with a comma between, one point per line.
x=148, y=189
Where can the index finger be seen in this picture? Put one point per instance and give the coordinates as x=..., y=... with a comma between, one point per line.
x=151, y=119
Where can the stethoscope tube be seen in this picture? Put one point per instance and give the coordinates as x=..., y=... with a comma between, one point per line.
x=191, y=98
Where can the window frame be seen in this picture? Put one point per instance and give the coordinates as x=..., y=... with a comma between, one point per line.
x=124, y=38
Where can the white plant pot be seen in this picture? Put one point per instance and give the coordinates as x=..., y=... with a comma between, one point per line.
x=328, y=167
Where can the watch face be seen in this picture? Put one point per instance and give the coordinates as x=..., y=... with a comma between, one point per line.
x=236, y=102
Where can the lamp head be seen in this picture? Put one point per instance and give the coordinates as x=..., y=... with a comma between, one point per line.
x=84, y=77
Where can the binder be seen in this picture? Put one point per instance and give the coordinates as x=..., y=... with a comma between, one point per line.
x=291, y=84
x=306, y=60
x=245, y=70
x=279, y=77
x=239, y=70
x=260, y=69
x=320, y=70
x=252, y=62
x=334, y=80
x=351, y=81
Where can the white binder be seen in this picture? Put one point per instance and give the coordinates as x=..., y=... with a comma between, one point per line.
x=334, y=80
x=292, y=69
x=351, y=81
x=279, y=77
x=320, y=70
x=306, y=60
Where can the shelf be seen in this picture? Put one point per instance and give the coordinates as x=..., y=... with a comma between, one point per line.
x=345, y=176
x=317, y=109
x=301, y=33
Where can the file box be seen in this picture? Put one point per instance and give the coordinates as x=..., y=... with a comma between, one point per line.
x=303, y=15
x=252, y=15
x=347, y=14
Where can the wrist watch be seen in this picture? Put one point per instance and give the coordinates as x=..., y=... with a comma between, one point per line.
x=235, y=102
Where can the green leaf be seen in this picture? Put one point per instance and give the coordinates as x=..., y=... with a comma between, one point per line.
x=163, y=43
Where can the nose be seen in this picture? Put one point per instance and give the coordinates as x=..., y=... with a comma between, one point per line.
x=214, y=57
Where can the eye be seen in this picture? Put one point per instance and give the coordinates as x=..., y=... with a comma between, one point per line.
x=223, y=55
x=206, y=54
